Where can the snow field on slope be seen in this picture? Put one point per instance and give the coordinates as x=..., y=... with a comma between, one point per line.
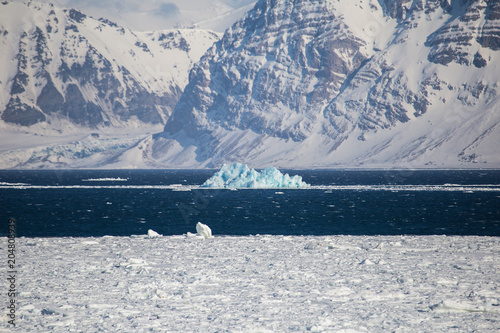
x=258, y=283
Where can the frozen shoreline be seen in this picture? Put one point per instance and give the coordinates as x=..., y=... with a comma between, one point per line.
x=258, y=284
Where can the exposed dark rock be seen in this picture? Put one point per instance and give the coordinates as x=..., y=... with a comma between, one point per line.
x=80, y=111
x=172, y=40
x=41, y=47
x=21, y=114
x=479, y=61
x=76, y=15
x=19, y=83
x=493, y=10
x=50, y=99
x=108, y=22
x=452, y=42
x=143, y=46
x=395, y=8
x=72, y=27
x=233, y=88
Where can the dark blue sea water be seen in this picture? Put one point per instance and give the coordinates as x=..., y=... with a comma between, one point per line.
x=86, y=203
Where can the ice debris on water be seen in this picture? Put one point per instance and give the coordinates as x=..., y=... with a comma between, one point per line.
x=239, y=175
x=203, y=230
x=153, y=234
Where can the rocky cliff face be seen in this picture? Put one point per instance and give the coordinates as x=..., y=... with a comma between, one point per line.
x=283, y=59
x=328, y=83
x=455, y=41
x=61, y=66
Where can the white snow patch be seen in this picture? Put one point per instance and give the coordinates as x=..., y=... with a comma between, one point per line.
x=203, y=230
x=153, y=234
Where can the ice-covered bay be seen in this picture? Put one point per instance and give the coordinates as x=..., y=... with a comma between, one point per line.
x=258, y=284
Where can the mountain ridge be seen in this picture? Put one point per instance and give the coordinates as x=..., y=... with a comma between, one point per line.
x=74, y=89
x=302, y=84
x=90, y=72
x=383, y=83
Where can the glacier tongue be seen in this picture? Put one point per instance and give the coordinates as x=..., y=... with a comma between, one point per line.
x=239, y=175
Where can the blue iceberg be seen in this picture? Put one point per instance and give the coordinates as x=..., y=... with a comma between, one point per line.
x=239, y=175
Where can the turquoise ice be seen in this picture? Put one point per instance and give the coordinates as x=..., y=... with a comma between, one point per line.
x=239, y=175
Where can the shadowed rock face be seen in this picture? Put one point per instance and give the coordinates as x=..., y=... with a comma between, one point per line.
x=67, y=100
x=395, y=8
x=294, y=58
x=90, y=72
x=22, y=114
x=477, y=22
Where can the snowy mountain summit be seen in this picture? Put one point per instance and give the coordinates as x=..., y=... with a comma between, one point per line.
x=403, y=83
x=61, y=67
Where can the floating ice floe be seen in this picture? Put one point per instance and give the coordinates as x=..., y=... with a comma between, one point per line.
x=153, y=234
x=239, y=175
x=108, y=179
x=203, y=230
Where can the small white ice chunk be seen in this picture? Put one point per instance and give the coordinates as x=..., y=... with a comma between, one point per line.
x=239, y=175
x=203, y=230
x=153, y=234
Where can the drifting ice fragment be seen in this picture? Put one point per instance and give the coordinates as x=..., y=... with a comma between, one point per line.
x=153, y=234
x=203, y=230
x=239, y=175
x=452, y=306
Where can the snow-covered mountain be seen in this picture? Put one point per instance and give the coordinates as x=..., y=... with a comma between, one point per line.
x=60, y=64
x=404, y=83
x=64, y=75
